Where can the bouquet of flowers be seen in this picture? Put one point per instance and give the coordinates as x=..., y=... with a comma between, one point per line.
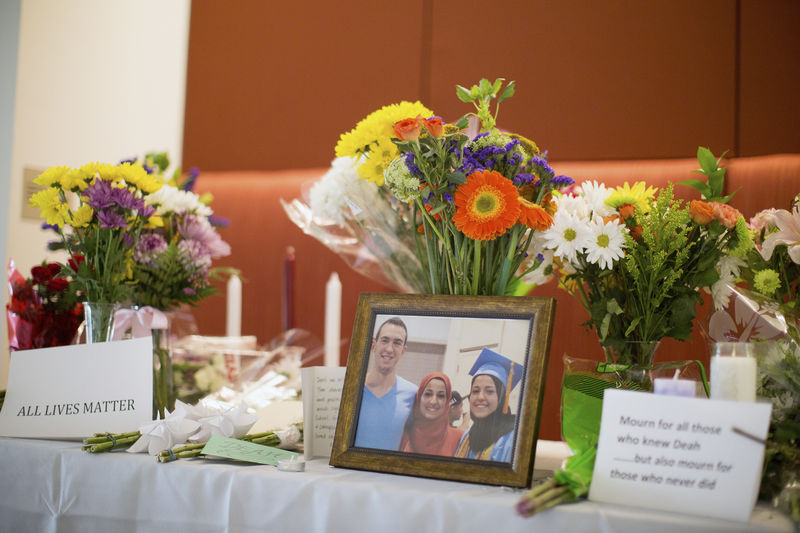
x=171, y=263
x=768, y=313
x=99, y=211
x=43, y=310
x=635, y=257
x=465, y=201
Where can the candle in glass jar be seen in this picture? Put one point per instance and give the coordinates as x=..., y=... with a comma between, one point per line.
x=733, y=372
x=674, y=386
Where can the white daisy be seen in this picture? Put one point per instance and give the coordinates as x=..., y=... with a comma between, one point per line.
x=567, y=235
x=605, y=242
x=595, y=195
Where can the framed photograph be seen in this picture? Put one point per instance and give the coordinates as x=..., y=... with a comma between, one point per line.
x=447, y=387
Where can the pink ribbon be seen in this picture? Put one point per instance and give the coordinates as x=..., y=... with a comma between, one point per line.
x=140, y=321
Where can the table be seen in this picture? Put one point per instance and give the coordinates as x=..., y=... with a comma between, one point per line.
x=50, y=486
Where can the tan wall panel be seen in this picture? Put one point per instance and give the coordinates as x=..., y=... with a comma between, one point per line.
x=272, y=85
x=770, y=77
x=597, y=80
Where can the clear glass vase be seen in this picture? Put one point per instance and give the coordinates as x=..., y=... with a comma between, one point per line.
x=632, y=361
x=99, y=321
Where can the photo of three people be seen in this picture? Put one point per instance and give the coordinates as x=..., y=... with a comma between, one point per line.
x=416, y=365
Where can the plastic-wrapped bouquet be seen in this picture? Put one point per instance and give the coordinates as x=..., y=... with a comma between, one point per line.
x=458, y=206
x=43, y=310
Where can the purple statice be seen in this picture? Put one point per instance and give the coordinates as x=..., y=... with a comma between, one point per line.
x=448, y=197
x=150, y=246
x=524, y=178
x=200, y=230
x=109, y=218
x=191, y=179
x=562, y=181
x=542, y=169
x=218, y=221
x=412, y=168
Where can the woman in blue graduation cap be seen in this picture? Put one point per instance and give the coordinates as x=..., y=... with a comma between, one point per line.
x=491, y=436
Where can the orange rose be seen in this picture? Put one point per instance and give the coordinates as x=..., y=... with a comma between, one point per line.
x=434, y=125
x=701, y=212
x=636, y=232
x=407, y=129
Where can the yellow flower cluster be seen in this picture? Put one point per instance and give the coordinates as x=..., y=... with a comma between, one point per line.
x=77, y=179
x=371, y=138
x=61, y=180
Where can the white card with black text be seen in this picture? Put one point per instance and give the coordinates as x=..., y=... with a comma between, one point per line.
x=688, y=455
x=75, y=391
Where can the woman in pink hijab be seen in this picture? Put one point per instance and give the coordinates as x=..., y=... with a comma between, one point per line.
x=428, y=428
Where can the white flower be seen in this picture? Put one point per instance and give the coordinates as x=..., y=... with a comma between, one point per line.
x=567, y=235
x=169, y=199
x=595, y=195
x=728, y=268
x=788, y=233
x=605, y=242
x=575, y=205
x=535, y=249
x=341, y=193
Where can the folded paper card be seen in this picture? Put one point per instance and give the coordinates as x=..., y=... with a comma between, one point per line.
x=687, y=455
x=74, y=391
x=322, y=392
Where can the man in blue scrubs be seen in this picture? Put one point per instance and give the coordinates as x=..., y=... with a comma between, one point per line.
x=388, y=398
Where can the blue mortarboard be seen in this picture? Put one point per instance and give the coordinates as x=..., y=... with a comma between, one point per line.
x=492, y=363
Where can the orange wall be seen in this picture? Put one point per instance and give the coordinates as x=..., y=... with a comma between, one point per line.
x=271, y=85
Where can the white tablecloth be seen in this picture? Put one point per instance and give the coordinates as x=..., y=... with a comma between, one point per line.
x=48, y=486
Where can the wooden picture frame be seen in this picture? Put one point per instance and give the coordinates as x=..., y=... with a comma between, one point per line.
x=456, y=336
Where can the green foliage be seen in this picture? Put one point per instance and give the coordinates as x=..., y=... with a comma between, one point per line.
x=161, y=284
x=481, y=96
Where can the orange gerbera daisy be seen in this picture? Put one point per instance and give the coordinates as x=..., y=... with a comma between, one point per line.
x=534, y=216
x=486, y=205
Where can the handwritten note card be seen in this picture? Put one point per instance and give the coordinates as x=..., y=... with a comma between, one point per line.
x=241, y=450
x=322, y=392
x=75, y=391
x=688, y=455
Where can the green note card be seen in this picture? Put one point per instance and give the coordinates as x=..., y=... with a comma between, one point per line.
x=242, y=450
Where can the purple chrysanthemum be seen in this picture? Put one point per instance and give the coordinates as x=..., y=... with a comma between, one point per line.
x=199, y=229
x=110, y=219
x=149, y=246
x=99, y=194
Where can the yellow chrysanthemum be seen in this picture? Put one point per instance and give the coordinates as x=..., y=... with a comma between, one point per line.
x=51, y=176
x=76, y=180
x=82, y=216
x=639, y=195
x=52, y=208
x=154, y=221
x=135, y=174
x=382, y=153
x=377, y=127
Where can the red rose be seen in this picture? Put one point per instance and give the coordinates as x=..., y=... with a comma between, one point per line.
x=54, y=268
x=407, y=129
x=434, y=125
x=41, y=274
x=57, y=284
